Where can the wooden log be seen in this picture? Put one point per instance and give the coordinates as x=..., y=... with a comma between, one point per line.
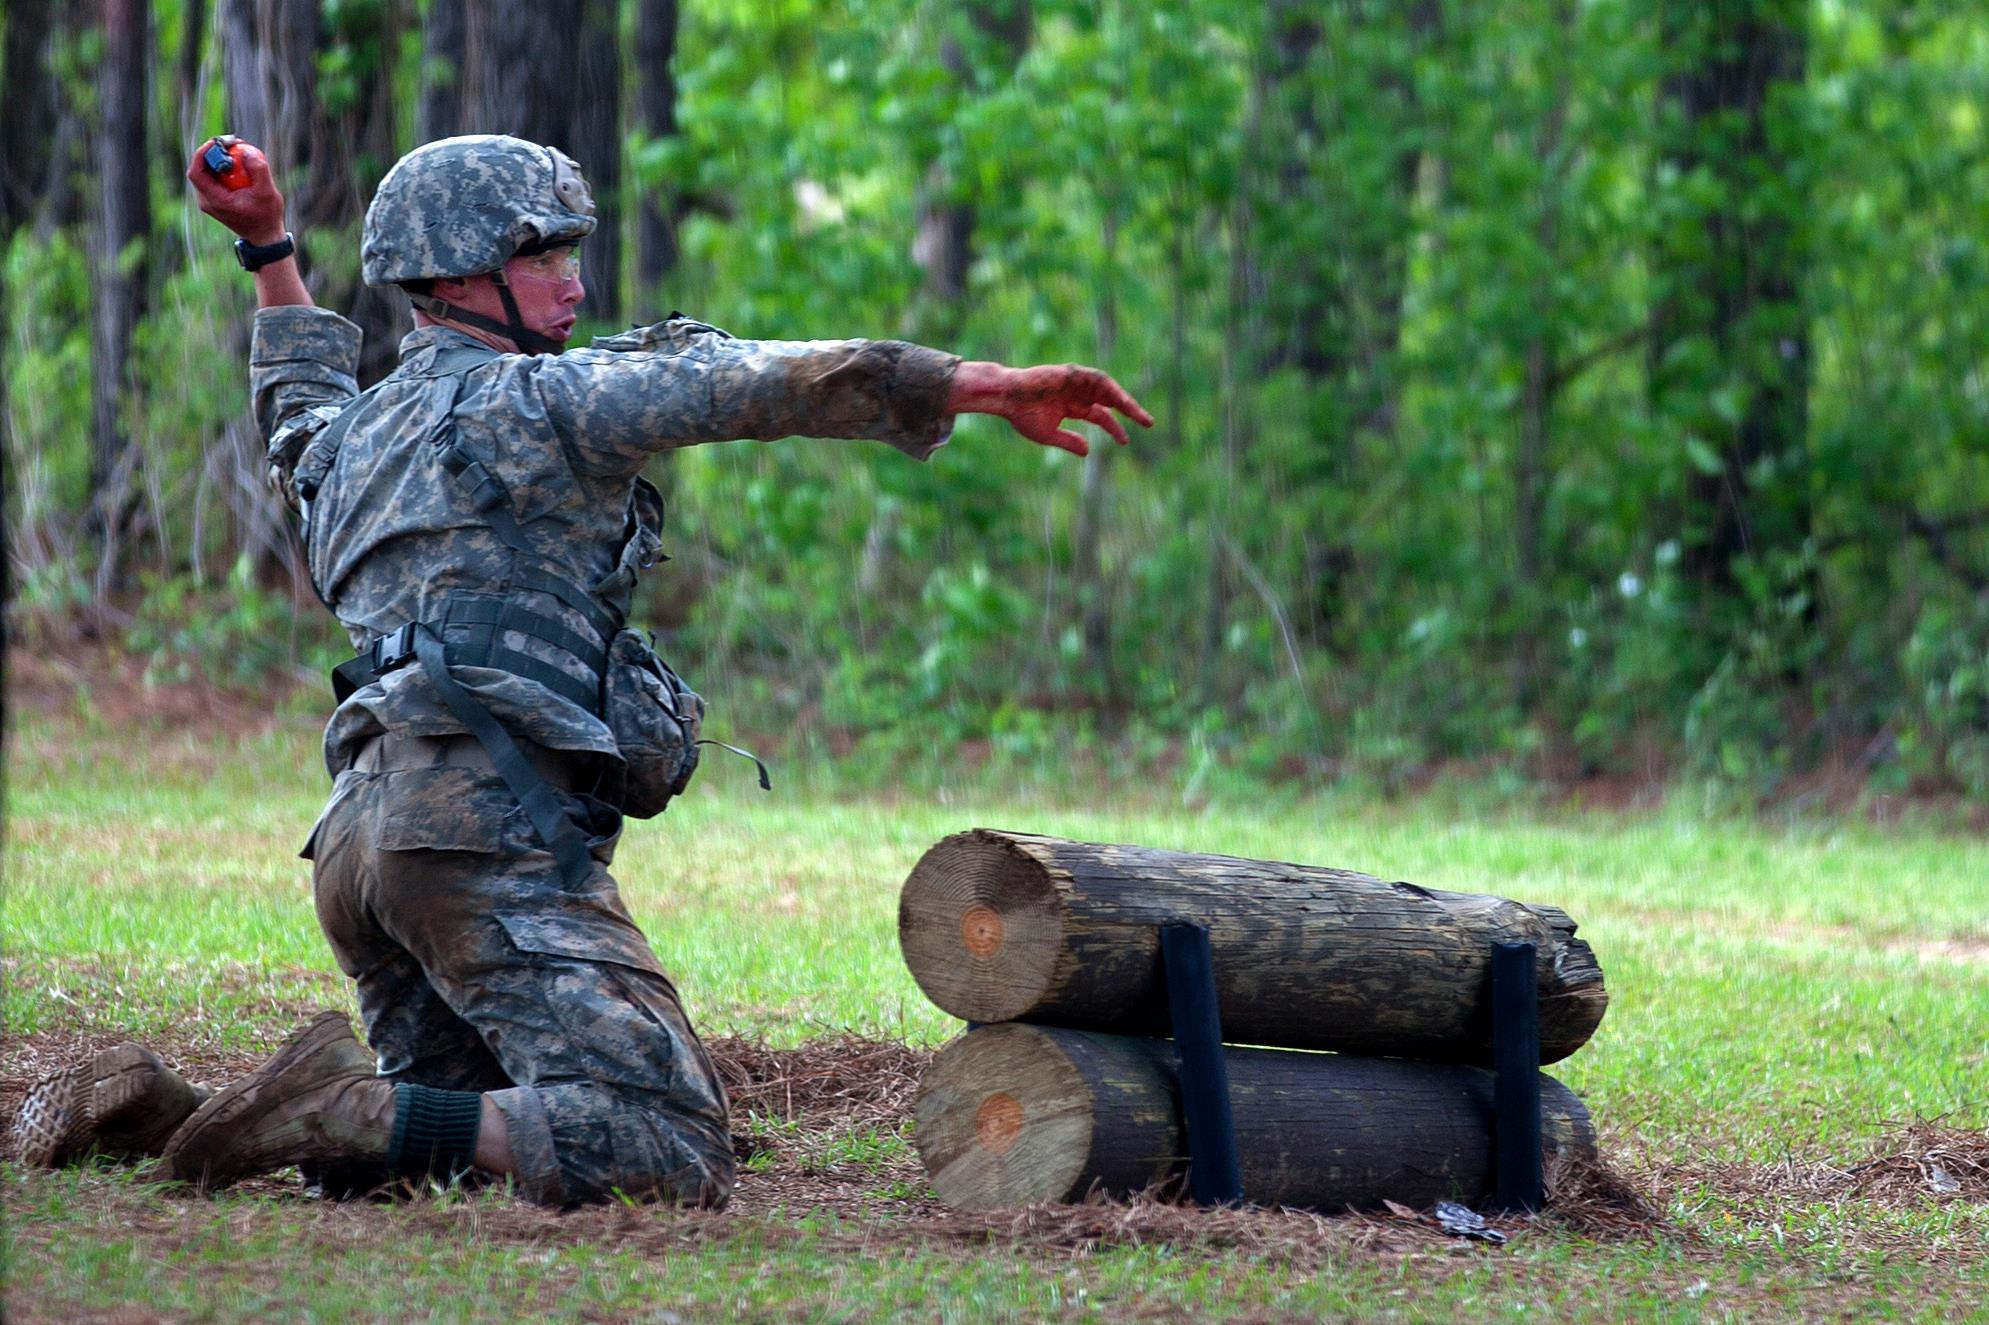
x=1011, y=927
x=1013, y=1115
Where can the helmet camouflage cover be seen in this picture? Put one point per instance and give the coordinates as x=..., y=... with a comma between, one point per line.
x=464, y=206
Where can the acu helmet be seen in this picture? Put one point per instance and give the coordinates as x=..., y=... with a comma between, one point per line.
x=461, y=207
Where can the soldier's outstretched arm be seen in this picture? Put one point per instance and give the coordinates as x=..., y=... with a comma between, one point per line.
x=681, y=382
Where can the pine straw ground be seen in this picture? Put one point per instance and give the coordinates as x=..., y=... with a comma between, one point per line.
x=792, y=1108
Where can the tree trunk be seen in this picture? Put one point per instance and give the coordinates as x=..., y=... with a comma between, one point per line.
x=1541, y=382
x=26, y=142
x=1012, y=927
x=1093, y=595
x=344, y=140
x=1732, y=323
x=1014, y=1115
x=269, y=72
x=440, y=113
x=522, y=69
x=656, y=117
x=597, y=146
x=118, y=290
x=944, y=243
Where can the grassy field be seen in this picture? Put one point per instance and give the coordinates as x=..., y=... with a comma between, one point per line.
x=1787, y=1003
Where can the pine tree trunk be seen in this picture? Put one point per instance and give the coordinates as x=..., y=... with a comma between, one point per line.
x=1732, y=321
x=118, y=290
x=944, y=243
x=26, y=149
x=521, y=69
x=597, y=146
x=440, y=113
x=656, y=116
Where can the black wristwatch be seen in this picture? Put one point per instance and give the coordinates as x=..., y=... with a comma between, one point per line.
x=252, y=256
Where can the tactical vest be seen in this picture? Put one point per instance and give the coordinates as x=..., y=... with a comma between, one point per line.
x=471, y=627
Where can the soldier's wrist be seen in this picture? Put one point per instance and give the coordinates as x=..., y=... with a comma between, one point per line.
x=977, y=384
x=261, y=236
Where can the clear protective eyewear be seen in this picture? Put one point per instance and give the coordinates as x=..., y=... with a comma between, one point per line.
x=554, y=264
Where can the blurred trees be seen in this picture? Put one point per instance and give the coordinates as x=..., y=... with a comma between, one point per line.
x=1582, y=388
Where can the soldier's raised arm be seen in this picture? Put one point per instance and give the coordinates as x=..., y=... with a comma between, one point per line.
x=304, y=360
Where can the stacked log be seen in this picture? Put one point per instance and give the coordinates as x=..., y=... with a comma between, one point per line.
x=1014, y=927
x=1015, y=1114
x=1056, y=942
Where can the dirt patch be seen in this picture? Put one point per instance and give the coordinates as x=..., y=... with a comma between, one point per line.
x=796, y=1110
x=845, y=1081
x=1920, y=1162
x=77, y=676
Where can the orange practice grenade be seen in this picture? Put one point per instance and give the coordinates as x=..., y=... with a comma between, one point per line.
x=225, y=163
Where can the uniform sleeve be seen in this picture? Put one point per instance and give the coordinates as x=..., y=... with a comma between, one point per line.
x=679, y=383
x=302, y=370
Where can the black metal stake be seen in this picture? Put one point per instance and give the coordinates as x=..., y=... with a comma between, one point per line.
x=1516, y=1088
x=1215, y=1176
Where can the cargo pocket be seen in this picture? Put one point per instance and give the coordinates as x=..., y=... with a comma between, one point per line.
x=443, y=809
x=586, y=927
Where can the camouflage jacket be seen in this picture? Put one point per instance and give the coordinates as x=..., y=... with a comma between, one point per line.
x=387, y=531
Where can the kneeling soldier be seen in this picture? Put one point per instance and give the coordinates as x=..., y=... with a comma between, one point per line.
x=477, y=521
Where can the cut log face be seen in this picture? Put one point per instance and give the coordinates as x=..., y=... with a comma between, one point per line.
x=1015, y=1115
x=1013, y=927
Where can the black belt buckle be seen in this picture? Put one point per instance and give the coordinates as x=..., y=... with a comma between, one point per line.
x=393, y=649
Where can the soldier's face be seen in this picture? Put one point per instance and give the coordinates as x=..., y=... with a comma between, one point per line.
x=546, y=286
x=548, y=290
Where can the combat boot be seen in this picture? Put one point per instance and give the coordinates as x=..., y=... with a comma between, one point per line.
x=316, y=1099
x=122, y=1102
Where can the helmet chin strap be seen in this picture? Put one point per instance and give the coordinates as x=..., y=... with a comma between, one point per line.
x=513, y=328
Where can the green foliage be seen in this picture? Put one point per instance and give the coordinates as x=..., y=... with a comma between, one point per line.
x=1445, y=318
x=235, y=633
x=1945, y=734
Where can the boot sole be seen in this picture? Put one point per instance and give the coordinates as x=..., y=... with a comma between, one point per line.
x=238, y=1106
x=64, y=1113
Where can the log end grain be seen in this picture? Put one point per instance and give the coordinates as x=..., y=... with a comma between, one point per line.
x=982, y=926
x=1004, y=1118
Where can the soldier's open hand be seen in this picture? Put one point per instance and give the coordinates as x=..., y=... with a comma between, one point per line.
x=1037, y=401
x=253, y=211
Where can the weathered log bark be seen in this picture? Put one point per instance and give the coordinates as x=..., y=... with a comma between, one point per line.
x=1013, y=1115
x=1011, y=927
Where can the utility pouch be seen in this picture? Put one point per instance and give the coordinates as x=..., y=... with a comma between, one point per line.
x=656, y=719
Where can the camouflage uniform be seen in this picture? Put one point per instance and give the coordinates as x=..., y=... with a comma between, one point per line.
x=479, y=967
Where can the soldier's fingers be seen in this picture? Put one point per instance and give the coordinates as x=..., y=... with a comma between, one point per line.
x=1120, y=399
x=1061, y=438
x=1104, y=418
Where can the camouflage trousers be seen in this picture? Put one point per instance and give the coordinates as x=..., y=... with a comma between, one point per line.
x=478, y=969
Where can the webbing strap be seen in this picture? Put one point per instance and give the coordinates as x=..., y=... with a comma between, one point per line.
x=542, y=804
x=510, y=616
x=587, y=694
x=492, y=501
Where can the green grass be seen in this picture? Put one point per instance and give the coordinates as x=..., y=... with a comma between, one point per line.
x=1779, y=994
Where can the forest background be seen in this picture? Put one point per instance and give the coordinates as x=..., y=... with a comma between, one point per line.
x=1556, y=389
